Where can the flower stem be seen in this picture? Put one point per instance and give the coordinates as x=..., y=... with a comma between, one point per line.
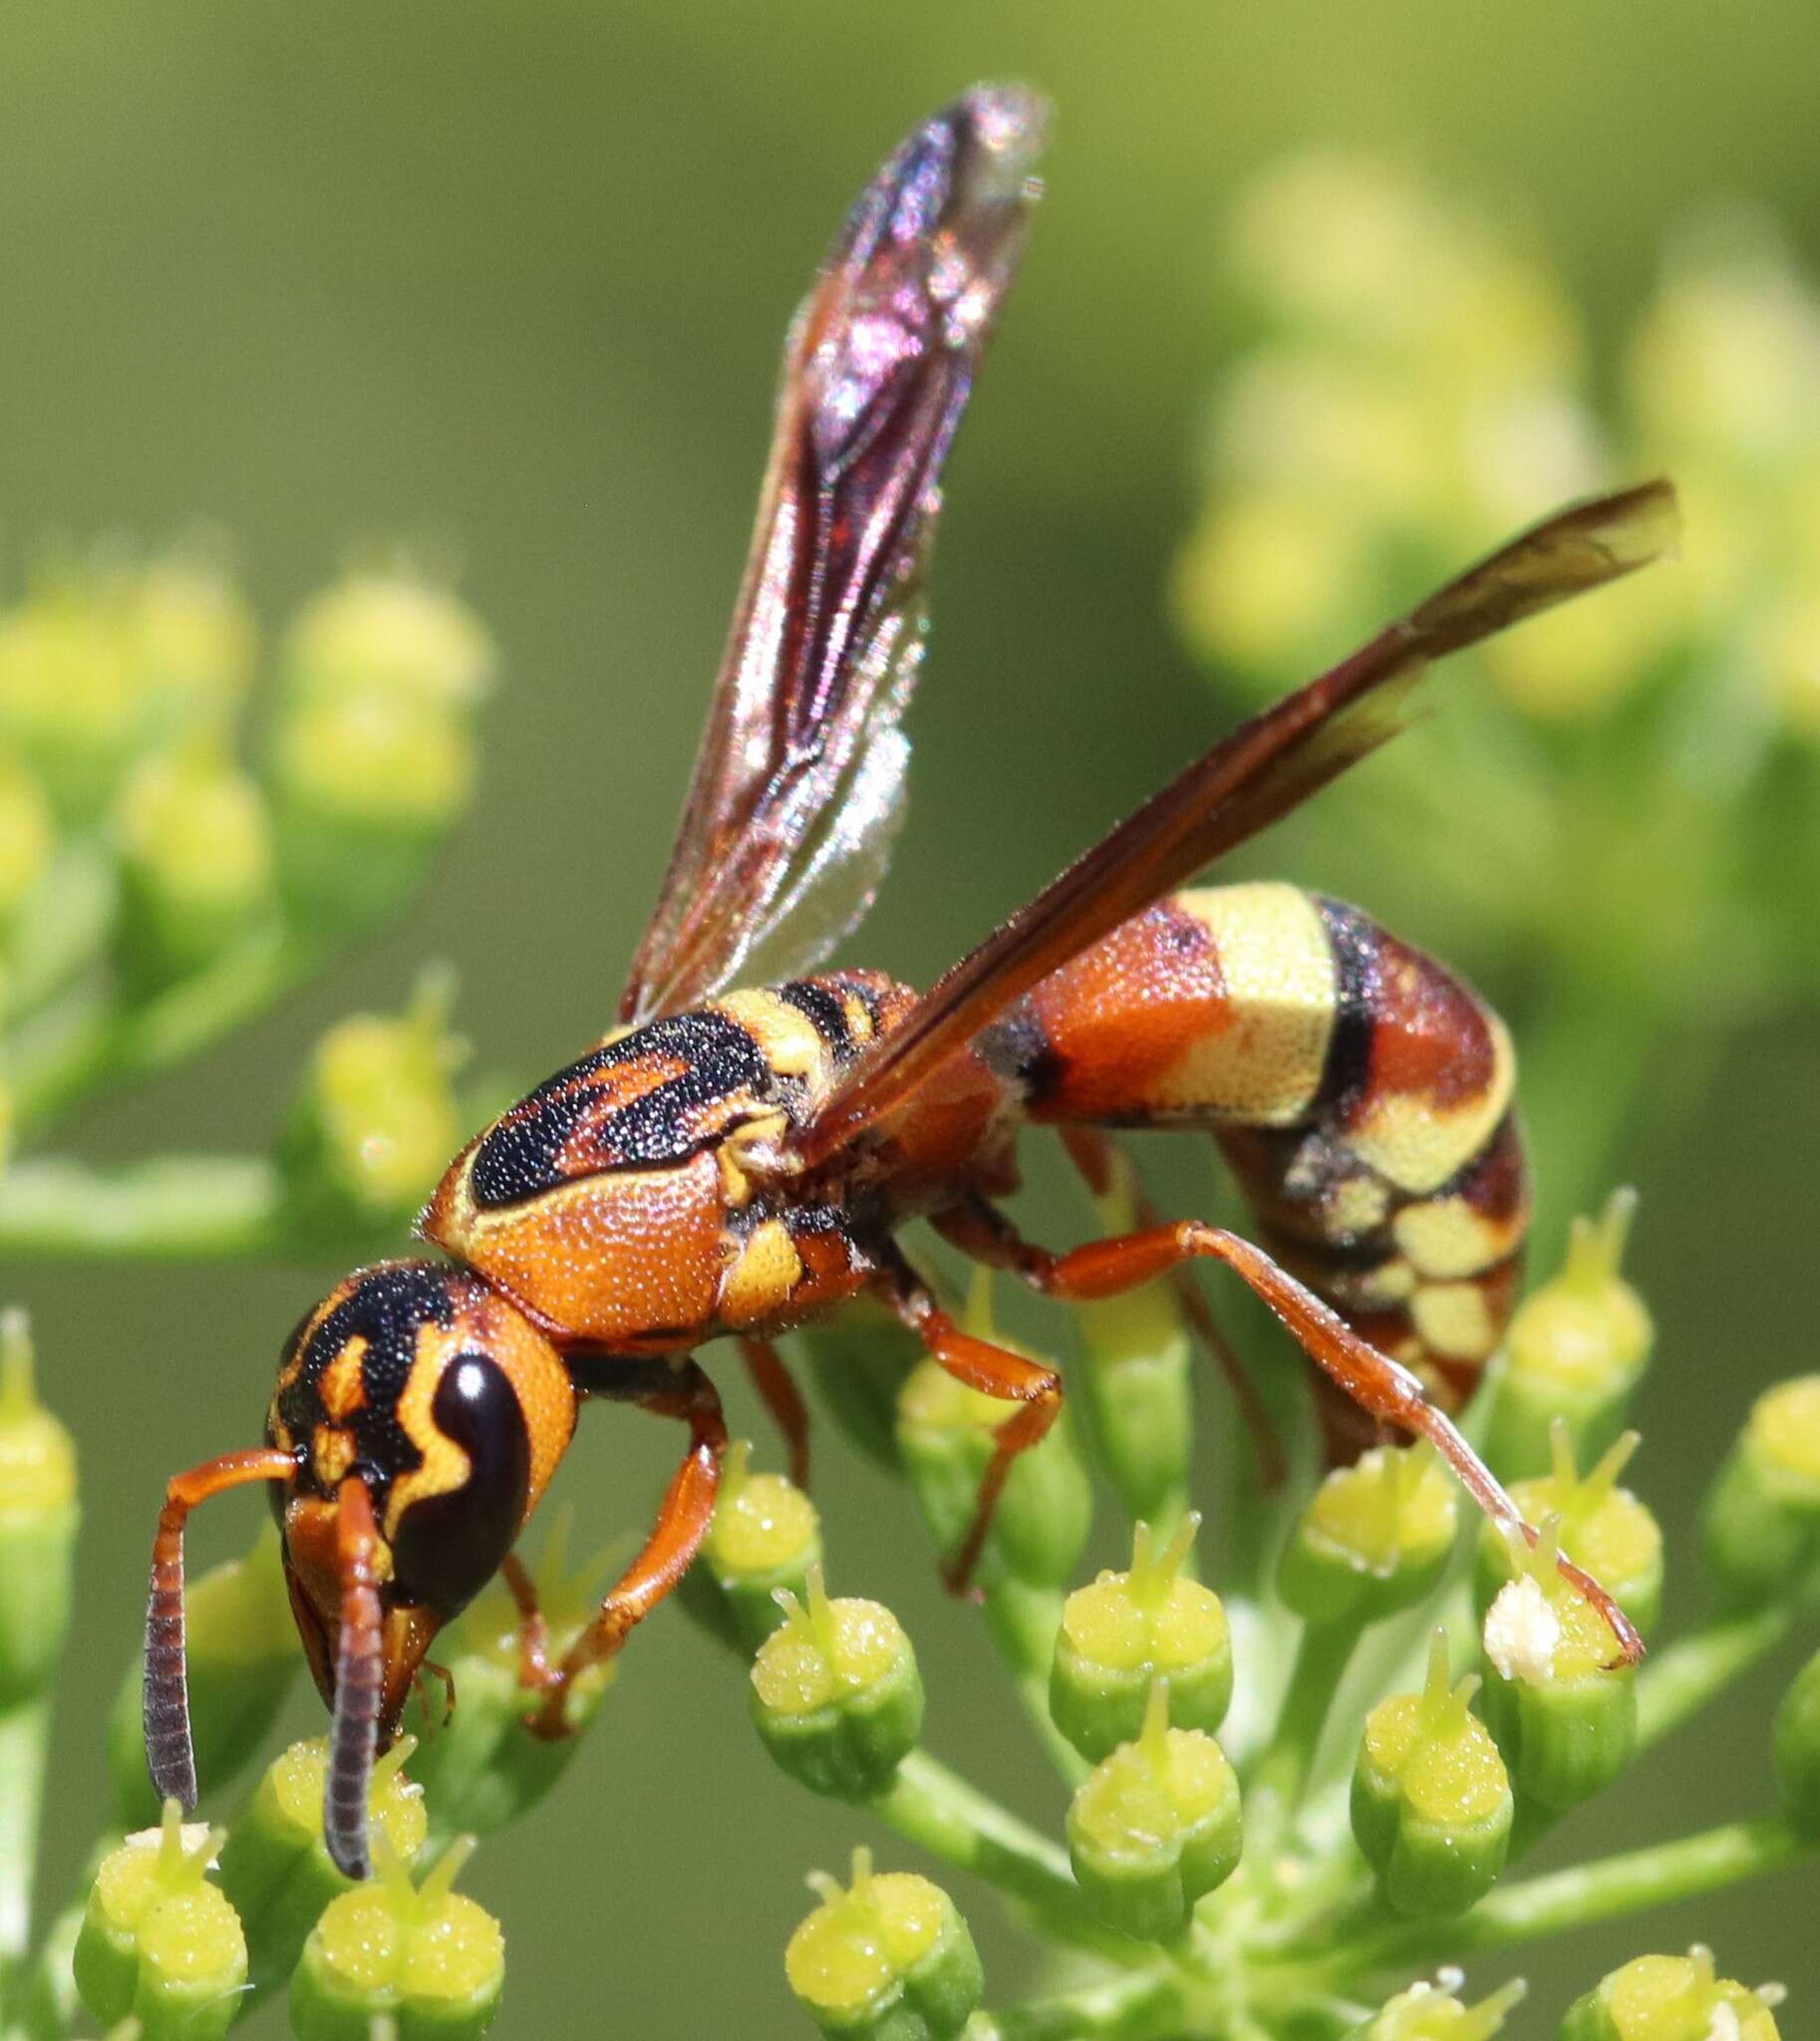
x=1570, y=1898
x=1140, y=2002
x=1679, y=1681
x=170, y=1208
x=24, y=1732
x=1321, y=1656
x=940, y=1812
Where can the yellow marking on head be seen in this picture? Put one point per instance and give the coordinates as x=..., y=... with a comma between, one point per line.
x=786, y=1036
x=1453, y=1320
x=1356, y=1205
x=331, y=1454
x=758, y=1284
x=1276, y=967
x=340, y=1385
x=1418, y=1145
x=1447, y=1237
x=445, y=1465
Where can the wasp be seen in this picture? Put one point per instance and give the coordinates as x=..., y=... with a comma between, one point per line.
x=732, y=1163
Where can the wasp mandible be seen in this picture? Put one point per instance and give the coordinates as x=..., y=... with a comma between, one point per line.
x=734, y=1163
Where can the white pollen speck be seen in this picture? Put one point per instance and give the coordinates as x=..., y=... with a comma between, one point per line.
x=1724, y=2025
x=1522, y=1632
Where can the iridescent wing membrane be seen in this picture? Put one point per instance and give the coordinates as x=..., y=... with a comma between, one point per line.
x=799, y=786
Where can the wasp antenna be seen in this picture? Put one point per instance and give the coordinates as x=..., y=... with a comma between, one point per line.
x=169, y=1750
x=359, y=1684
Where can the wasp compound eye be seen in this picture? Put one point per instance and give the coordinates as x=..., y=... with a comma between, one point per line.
x=447, y=1543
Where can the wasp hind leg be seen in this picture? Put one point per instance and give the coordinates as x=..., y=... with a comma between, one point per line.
x=682, y=1523
x=992, y=1370
x=1378, y=1386
x=778, y=1392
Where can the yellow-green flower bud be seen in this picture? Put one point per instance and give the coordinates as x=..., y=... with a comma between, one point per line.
x=28, y=836
x=276, y=1868
x=765, y=1536
x=886, y=1958
x=1155, y=1827
x=480, y=1767
x=425, y=1957
x=196, y=862
x=1798, y=1751
x=1431, y=1800
x=1763, y=1520
x=1374, y=1538
x=157, y=1942
x=835, y=1692
x=69, y=695
x=1562, y=1712
x=1127, y=1631
x=1671, y=1998
x=858, y=1361
x=945, y=1431
x=377, y=1119
x=1611, y=1534
x=243, y=1661
x=193, y=641
x=393, y=633
x=1136, y=1379
x=38, y=1518
x=1576, y=1350
x=1434, y=2012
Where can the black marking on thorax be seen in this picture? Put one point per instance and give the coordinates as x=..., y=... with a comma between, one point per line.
x=521, y=1155
x=825, y=1012
x=1017, y=1050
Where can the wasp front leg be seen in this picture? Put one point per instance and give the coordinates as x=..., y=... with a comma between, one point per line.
x=994, y=1372
x=683, y=1518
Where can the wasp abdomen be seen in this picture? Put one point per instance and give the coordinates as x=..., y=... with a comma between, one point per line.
x=1360, y=1093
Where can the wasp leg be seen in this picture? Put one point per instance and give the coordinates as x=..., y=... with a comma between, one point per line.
x=533, y=1630
x=994, y=1372
x=1379, y=1387
x=780, y=1394
x=682, y=1524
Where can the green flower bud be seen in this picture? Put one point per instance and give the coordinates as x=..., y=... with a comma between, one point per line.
x=1136, y=1382
x=376, y=1120
x=1611, y=1534
x=1763, y=1520
x=480, y=1767
x=275, y=1867
x=858, y=1362
x=1127, y=1631
x=193, y=642
x=888, y=1958
x=38, y=1518
x=1434, y=2013
x=1797, y=1749
x=196, y=862
x=157, y=1942
x=1564, y=1714
x=28, y=837
x=69, y=695
x=1431, y=1801
x=425, y=1957
x=835, y=1693
x=1576, y=1350
x=1155, y=1827
x=1671, y=1998
x=373, y=755
x=1374, y=1538
x=243, y=1660
x=945, y=1432
x=765, y=1536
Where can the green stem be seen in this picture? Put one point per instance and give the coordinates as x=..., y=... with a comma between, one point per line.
x=1570, y=1898
x=24, y=1734
x=1023, y=1621
x=170, y=1208
x=88, y=1039
x=940, y=1812
x=1679, y=1681
x=1141, y=2002
x=1322, y=1658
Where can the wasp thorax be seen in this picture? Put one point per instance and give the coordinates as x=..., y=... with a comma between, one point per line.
x=450, y=1407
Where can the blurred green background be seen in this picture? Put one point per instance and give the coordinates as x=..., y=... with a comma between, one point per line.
x=511, y=281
